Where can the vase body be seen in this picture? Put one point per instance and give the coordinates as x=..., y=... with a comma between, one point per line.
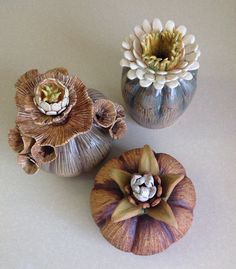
x=83, y=152
x=153, y=109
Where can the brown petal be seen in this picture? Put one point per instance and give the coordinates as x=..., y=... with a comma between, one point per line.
x=43, y=154
x=118, y=129
x=28, y=76
x=103, y=176
x=131, y=160
x=28, y=164
x=125, y=210
x=150, y=237
x=148, y=162
x=120, y=112
x=183, y=195
x=121, y=177
x=104, y=112
x=168, y=183
x=163, y=212
x=28, y=143
x=15, y=140
x=120, y=234
x=103, y=202
x=169, y=165
x=56, y=71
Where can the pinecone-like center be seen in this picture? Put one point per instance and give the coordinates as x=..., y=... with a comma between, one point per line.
x=144, y=190
x=162, y=51
x=51, y=97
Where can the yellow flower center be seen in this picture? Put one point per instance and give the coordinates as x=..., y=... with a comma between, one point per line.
x=51, y=93
x=162, y=51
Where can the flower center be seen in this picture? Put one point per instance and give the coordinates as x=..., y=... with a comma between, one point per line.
x=51, y=97
x=162, y=51
x=143, y=187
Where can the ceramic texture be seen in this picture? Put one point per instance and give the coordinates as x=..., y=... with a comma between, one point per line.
x=157, y=109
x=83, y=152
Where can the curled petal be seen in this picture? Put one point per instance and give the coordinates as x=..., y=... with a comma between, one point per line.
x=27, y=164
x=104, y=112
x=148, y=162
x=118, y=129
x=125, y=210
x=15, y=140
x=163, y=212
x=120, y=112
x=43, y=154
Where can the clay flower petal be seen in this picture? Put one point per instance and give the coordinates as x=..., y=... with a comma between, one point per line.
x=43, y=154
x=168, y=183
x=120, y=112
x=163, y=212
x=104, y=113
x=77, y=122
x=125, y=210
x=118, y=129
x=27, y=164
x=148, y=162
x=121, y=177
x=15, y=140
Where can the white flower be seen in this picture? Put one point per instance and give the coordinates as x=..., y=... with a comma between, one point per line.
x=143, y=187
x=160, y=56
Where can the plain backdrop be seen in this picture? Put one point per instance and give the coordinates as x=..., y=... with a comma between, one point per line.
x=45, y=220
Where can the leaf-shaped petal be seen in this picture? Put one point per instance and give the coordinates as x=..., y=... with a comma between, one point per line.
x=125, y=210
x=148, y=162
x=121, y=177
x=163, y=212
x=168, y=183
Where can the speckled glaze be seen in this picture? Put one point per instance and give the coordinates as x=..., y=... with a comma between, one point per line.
x=153, y=109
x=83, y=152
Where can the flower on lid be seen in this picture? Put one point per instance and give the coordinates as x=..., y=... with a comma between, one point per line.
x=160, y=56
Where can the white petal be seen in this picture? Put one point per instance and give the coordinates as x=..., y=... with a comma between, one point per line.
x=42, y=110
x=140, y=181
x=182, y=29
x=129, y=55
x=170, y=25
x=124, y=63
x=190, y=48
x=156, y=25
x=183, y=64
x=141, y=63
x=160, y=79
x=187, y=76
x=152, y=192
x=198, y=53
x=136, y=188
x=126, y=45
x=172, y=84
x=145, y=83
x=131, y=74
x=147, y=26
x=56, y=106
x=140, y=73
x=161, y=73
x=158, y=87
x=140, y=197
x=37, y=99
x=66, y=94
x=144, y=192
x=193, y=66
x=136, y=54
x=61, y=110
x=149, y=76
x=175, y=71
x=132, y=37
x=133, y=66
x=134, y=179
x=137, y=46
x=51, y=113
x=45, y=106
x=139, y=32
x=149, y=181
x=65, y=102
x=188, y=39
x=191, y=57
x=171, y=77
x=151, y=71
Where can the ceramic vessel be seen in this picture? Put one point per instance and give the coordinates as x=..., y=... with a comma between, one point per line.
x=159, y=76
x=143, y=201
x=61, y=126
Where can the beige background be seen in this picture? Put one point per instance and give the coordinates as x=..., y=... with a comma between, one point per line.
x=45, y=221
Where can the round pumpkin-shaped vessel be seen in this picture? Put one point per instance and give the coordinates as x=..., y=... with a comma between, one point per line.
x=143, y=201
x=159, y=76
x=61, y=126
